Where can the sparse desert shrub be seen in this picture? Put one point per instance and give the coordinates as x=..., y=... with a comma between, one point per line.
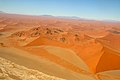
x=2, y=44
x=35, y=34
x=1, y=34
x=62, y=39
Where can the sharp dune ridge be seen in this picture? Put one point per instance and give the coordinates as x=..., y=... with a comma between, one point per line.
x=66, y=49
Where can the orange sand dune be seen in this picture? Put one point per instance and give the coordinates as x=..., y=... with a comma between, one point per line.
x=112, y=40
x=43, y=41
x=99, y=57
x=97, y=33
x=43, y=53
x=110, y=60
x=73, y=49
x=38, y=63
x=92, y=53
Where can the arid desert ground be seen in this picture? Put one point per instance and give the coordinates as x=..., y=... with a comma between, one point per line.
x=57, y=48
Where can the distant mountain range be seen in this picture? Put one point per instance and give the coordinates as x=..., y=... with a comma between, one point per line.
x=2, y=12
x=71, y=17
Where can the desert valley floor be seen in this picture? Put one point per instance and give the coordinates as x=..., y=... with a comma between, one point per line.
x=57, y=48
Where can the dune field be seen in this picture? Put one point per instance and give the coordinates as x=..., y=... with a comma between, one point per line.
x=55, y=48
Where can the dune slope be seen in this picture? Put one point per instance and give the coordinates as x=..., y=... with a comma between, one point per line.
x=12, y=71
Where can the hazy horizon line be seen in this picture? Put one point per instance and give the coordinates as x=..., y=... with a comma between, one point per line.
x=60, y=16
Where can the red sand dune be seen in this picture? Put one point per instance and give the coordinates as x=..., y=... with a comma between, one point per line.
x=112, y=40
x=45, y=54
x=92, y=53
x=95, y=44
x=110, y=60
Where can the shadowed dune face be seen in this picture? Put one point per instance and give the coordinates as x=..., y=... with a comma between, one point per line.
x=110, y=60
x=90, y=52
x=71, y=49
